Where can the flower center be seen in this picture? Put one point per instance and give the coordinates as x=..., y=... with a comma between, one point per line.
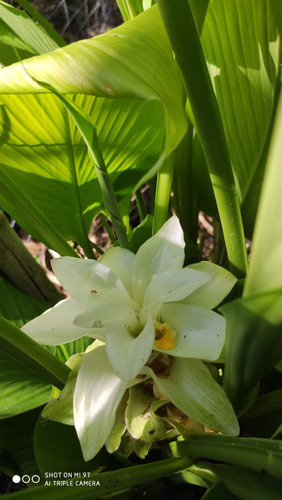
x=164, y=336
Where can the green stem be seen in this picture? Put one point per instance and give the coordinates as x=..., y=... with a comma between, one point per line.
x=122, y=5
x=97, y=248
x=163, y=193
x=107, y=227
x=140, y=205
x=182, y=31
x=33, y=356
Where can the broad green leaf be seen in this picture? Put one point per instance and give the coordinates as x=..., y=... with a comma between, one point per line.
x=20, y=31
x=264, y=418
x=16, y=446
x=16, y=306
x=254, y=322
x=56, y=448
x=246, y=484
x=241, y=46
x=46, y=159
x=20, y=388
x=117, y=65
x=265, y=273
x=253, y=341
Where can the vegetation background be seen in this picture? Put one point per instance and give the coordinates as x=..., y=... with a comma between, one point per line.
x=74, y=20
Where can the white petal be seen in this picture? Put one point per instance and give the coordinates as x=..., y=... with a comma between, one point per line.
x=121, y=262
x=127, y=355
x=172, y=286
x=55, y=326
x=84, y=279
x=104, y=314
x=212, y=293
x=97, y=394
x=200, y=333
x=191, y=388
x=163, y=252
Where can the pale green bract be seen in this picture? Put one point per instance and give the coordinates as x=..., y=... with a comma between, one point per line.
x=129, y=302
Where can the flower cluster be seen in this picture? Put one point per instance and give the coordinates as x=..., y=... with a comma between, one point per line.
x=146, y=311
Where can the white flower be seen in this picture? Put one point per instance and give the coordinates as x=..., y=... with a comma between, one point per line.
x=132, y=302
x=138, y=304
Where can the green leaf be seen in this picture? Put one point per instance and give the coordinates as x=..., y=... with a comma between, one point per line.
x=248, y=485
x=31, y=355
x=264, y=417
x=254, y=322
x=28, y=215
x=23, y=32
x=265, y=273
x=16, y=448
x=39, y=19
x=45, y=159
x=219, y=492
x=17, y=307
x=118, y=65
x=20, y=389
x=57, y=448
x=253, y=453
x=241, y=46
x=254, y=343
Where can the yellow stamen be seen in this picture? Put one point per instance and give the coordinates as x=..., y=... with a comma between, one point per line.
x=164, y=336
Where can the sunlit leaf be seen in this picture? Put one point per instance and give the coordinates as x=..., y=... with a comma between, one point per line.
x=241, y=45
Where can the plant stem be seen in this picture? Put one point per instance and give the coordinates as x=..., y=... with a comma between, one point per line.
x=140, y=204
x=182, y=31
x=107, y=227
x=163, y=193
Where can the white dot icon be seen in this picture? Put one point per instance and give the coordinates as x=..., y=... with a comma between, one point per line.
x=16, y=478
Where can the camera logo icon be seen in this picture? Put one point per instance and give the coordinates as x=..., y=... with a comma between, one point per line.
x=35, y=479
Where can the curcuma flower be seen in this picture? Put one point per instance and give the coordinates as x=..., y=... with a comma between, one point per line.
x=141, y=305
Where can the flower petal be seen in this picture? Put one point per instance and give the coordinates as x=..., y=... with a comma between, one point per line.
x=97, y=394
x=191, y=388
x=200, y=333
x=163, y=252
x=128, y=355
x=172, y=286
x=84, y=279
x=212, y=293
x=121, y=262
x=55, y=326
x=104, y=314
